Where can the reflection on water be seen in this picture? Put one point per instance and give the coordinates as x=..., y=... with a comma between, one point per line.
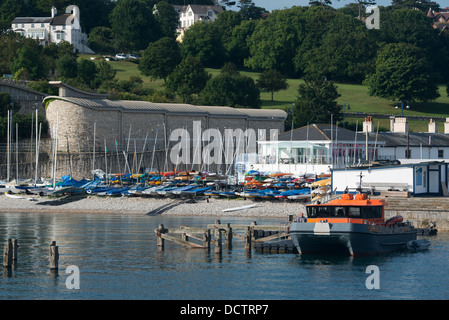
x=118, y=259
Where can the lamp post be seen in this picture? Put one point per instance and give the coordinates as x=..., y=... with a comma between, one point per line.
x=348, y=107
x=402, y=107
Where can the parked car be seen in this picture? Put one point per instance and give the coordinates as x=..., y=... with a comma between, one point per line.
x=133, y=56
x=120, y=56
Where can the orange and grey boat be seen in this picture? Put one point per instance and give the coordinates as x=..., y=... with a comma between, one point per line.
x=353, y=225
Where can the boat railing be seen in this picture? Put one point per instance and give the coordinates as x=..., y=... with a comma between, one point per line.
x=325, y=199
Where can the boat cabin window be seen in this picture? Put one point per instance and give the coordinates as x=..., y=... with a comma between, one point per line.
x=364, y=212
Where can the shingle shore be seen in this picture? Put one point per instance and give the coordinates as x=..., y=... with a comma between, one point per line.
x=140, y=205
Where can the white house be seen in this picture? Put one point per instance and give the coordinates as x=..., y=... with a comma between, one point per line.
x=315, y=148
x=318, y=148
x=189, y=14
x=418, y=178
x=57, y=28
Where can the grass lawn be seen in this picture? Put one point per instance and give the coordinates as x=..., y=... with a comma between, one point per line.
x=351, y=94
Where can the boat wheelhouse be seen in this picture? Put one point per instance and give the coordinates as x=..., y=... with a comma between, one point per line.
x=353, y=225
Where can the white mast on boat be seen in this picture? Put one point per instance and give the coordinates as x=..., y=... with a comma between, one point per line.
x=8, y=147
x=154, y=149
x=17, y=152
x=55, y=150
x=93, y=154
x=37, y=151
x=355, y=139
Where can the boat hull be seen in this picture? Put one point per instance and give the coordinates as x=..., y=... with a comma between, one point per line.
x=349, y=238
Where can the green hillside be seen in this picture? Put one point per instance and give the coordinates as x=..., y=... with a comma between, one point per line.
x=356, y=96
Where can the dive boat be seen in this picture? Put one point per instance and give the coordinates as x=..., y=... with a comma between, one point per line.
x=352, y=225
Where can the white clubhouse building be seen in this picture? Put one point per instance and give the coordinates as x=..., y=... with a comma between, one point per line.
x=57, y=28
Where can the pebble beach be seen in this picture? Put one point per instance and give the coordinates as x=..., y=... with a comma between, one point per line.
x=149, y=206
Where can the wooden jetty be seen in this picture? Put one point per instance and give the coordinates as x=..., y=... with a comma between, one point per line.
x=259, y=237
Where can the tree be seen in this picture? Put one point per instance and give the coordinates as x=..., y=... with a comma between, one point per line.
x=272, y=80
x=231, y=89
x=5, y=102
x=322, y=3
x=402, y=73
x=105, y=76
x=160, y=58
x=28, y=63
x=341, y=50
x=238, y=49
x=422, y=5
x=275, y=40
x=87, y=71
x=133, y=25
x=67, y=66
x=316, y=102
x=249, y=10
x=189, y=77
x=167, y=18
x=101, y=39
x=203, y=40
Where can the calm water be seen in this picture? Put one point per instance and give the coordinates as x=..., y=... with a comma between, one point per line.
x=118, y=259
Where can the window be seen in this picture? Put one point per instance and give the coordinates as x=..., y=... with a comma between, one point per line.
x=363, y=212
x=440, y=153
x=418, y=175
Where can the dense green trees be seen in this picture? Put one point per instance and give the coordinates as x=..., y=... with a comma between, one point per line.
x=402, y=73
x=316, y=102
x=202, y=40
x=272, y=80
x=133, y=25
x=160, y=58
x=231, y=89
x=188, y=78
x=310, y=42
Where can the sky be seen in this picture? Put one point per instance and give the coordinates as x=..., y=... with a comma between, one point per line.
x=282, y=4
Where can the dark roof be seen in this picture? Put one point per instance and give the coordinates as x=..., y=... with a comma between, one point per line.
x=198, y=9
x=146, y=106
x=316, y=132
x=58, y=20
x=20, y=20
x=61, y=19
x=415, y=139
x=320, y=132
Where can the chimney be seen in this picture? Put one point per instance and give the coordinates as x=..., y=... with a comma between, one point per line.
x=392, y=118
x=54, y=12
x=368, y=125
x=433, y=127
x=399, y=124
x=446, y=126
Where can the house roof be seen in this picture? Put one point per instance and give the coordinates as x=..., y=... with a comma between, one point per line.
x=58, y=20
x=320, y=132
x=415, y=139
x=20, y=20
x=198, y=9
x=152, y=107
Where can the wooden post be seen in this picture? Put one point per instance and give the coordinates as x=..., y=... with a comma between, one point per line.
x=228, y=235
x=217, y=240
x=206, y=239
x=15, y=246
x=253, y=224
x=54, y=256
x=248, y=236
x=160, y=241
x=7, y=254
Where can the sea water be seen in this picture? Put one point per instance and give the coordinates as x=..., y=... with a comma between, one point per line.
x=116, y=257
